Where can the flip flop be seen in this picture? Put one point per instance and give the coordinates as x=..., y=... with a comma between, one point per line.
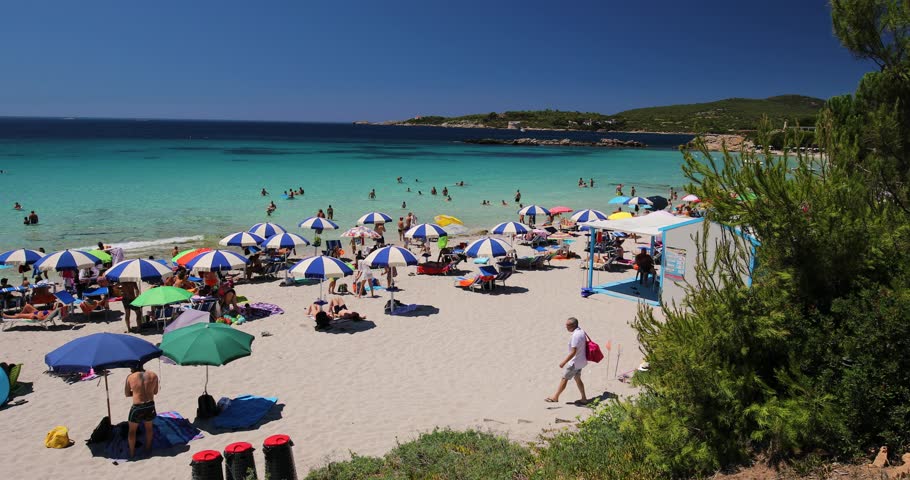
x=550, y=400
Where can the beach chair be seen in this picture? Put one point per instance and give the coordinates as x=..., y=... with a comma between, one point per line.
x=525, y=263
x=102, y=295
x=8, y=323
x=502, y=276
x=539, y=262
x=472, y=283
x=68, y=301
x=330, y=247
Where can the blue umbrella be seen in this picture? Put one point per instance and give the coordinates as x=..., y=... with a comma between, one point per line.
x=391, y=256
x=534, y=210
x=374, y=217
x=510, y=228
x=619, y=200
x=426, y=230
x=588, y=215
x=488, y=247
x=216, y=261
x=266, y=230
x=101, y=351
x=138, y=270
x=241, y=239
x=317, y=223
x=321, y=267
x=67, y=260
x=285, y=240
x=22, y=256
x=638, y=201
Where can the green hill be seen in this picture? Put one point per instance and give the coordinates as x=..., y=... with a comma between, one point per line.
x=722, y=116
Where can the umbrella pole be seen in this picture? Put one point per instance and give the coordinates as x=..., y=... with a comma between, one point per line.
x=107, y=391
x=205, y=390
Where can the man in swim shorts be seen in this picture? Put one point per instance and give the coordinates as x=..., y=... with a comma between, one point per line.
x=142, y=386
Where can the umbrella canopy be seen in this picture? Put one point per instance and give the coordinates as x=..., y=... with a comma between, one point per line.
x=266, y=230
x=206, y=344
x=101, y=351
x=321, y=267
x=658, y=202
x=510, y=228
x=691, y=198
x=619, y=200
x=139, y=270
x=560, y=209
x=638, y=201
x=22, y=256
x=100, y=255
x=217, y=261
x=241, y=239
x=533, y=210
x=619, y=215
x=391, y=256
x=187, y=318
x=67, y=260
x=285, y=240
x=358, y=232
x=588, y=215
x=317, y=223
x=426, y=230
x=374, y=217
x=488, y=247
x=162, y=296
x=185, y=256
x=446, y=220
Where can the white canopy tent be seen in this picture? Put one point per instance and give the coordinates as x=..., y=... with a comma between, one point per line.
x=651, y=224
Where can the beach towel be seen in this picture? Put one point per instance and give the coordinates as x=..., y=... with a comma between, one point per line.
x=261, y=310
x=170, y=429
x=481, y=261
x=244, y=411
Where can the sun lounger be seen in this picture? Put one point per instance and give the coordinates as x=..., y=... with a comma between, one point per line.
x=502, y=276
x=8, y=323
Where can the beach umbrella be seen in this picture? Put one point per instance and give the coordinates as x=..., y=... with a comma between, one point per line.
x=374, y=217
x=241, y=239
x=21, y=256
x=510, y=228
x=391, y=256
x=619, y=215
x=321, y=267
x=317, y=223
x=691, y=198
x=100, y=255
x=622, y=199
x=139, y=270
x=658, y=202
x=488, y=247
x=101, y=351
x=206, y=344
x=425, y=230
x=446, y=220
x=559, y=209
x=588, y=215
x=187, y=318
x=533, y=210
x=217, y=261
x=285, y=240
x=67, y=260
x=162, y=296
x=266, y=230
x=360, y=232
x=639, y=201
x=185, y=256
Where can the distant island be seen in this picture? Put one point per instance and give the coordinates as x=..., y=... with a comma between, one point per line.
x=731, y=115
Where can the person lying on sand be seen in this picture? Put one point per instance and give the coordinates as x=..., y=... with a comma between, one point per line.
x=338, y=310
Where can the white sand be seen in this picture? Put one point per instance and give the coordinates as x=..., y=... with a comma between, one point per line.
x=485, y=361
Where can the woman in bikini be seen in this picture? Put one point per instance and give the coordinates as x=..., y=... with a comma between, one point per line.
x=29, y=312
x=337, y=309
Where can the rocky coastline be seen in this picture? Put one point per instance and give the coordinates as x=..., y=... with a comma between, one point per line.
x=565, y=142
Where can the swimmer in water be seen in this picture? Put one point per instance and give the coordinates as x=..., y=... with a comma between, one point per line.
x=17, y=206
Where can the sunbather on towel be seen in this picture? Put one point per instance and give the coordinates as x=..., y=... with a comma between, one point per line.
x=337, y=309
x=29, y=312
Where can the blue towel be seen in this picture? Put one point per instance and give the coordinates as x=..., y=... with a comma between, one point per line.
x=244, y=411
x=481, y=260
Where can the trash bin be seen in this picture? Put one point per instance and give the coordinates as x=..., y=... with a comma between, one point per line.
x=279, y=458
x=239, y=463
x=206, y=465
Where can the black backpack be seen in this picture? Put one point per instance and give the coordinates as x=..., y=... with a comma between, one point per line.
x=207, y=406
x=101, y=433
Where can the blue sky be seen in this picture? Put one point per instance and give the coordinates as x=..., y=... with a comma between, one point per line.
x=386, y=59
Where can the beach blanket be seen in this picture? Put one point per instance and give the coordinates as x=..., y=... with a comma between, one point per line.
x=261, y=310
x=244, y=411
x=170, y=429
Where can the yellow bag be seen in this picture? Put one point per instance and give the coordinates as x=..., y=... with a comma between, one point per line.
x=58, y=438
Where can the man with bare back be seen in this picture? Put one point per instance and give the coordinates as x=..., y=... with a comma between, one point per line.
x=142, y=386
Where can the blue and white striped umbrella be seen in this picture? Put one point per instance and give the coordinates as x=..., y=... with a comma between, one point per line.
x=638, y=201
x=510, y=228
x=321, y=267
x=22, y=256
x=425, y=230
x=241, y=239
x=391, y=256
x=488, y=247
x=619, y=200
x=588, y=215
x=266, y=230
x=217, y=261
x=533, y=210
x=139, y=270
x=285, y=240
x=374, y=217
x=316, y=223
x=67, y=260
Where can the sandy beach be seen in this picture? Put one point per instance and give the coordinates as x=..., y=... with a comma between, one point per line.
x=483, y=360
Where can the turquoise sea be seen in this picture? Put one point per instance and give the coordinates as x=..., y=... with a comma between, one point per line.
x=148, y=187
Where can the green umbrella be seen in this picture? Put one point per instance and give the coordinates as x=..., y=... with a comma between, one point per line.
x=206, y=344
x=101, y=254
x=162, y=296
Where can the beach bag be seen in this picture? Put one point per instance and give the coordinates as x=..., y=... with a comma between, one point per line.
x=207, y=408
x=59, y=437
x=343, y=288
x=593, y=352
x=102, y=433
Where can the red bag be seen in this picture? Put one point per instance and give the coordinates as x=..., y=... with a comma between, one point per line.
x=593, y=353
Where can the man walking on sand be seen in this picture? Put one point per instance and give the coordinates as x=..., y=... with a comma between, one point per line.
x=142, y=386
x=574, y=362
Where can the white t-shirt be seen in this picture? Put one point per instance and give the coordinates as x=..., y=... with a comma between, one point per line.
x=580, y=342
x=366, y=273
